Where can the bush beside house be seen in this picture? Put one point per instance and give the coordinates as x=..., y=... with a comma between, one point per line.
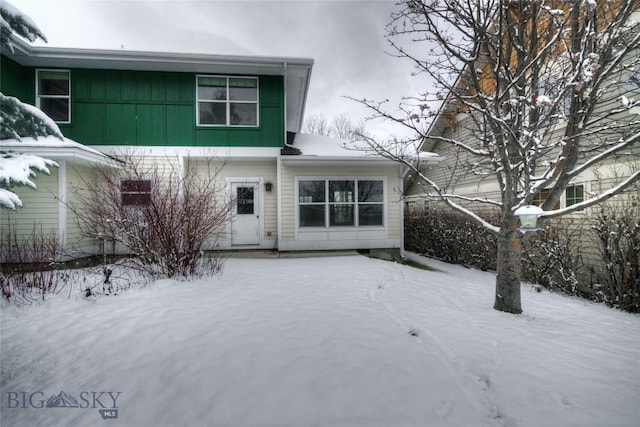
x=596, y=255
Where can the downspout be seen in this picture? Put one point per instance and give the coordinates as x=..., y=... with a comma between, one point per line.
x=401, y=174
x=279, y=160
x=62, y=205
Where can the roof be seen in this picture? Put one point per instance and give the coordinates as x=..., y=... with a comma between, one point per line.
x=296, y=71
x=323, y=150
x=51, y=147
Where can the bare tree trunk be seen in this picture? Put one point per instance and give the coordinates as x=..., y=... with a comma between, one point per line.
x=509, y=266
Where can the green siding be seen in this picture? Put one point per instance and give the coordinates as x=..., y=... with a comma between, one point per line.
x=156, y=108
x=83, y=116
x=143, y=108
x=16, y=80
x=151, y=124
x=120, y=121
x=179, y=124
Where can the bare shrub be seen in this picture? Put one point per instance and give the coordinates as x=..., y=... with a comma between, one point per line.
x=162, y=214
x=617, y=226
x=30, y=264
x=451, y=237
x=552, y=257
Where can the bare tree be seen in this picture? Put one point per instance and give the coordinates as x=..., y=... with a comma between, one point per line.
x=533, y=92
x=316, y=124
x=340, y=127
x=163, y=214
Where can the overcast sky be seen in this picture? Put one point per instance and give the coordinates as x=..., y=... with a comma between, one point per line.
x=344, y=37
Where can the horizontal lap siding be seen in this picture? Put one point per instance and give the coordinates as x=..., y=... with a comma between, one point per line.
x=77, y=177
x=265, y=169
x=392, y=191
x=39, y=208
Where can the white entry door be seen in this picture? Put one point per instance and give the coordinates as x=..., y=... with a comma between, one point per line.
x=245, y=223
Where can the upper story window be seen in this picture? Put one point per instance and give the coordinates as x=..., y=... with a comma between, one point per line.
x=227, y=101
x=53, y=94
x=339, y=203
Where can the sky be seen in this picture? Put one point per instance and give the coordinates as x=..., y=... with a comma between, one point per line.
x=345, y=38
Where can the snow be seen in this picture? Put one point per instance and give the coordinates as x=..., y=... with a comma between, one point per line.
x=19, y=168
x=27, y=27
x=9, y=199
x=543, y=101
x=43, y=142
x=323, y=146
x=340, y=341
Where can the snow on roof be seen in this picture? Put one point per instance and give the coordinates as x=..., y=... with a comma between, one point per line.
x=52, y=147
x=316, y=145
x=326, y=148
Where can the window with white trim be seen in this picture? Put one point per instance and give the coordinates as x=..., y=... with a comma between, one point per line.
x=340, y=202
x=227, y=101
x=53, y=94
x=574, y=194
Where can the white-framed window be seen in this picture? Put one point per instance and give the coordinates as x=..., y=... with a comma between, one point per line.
x=135, y=192
x=340, y=202
x=53, y=94
x=574, y=194
x=227, y=101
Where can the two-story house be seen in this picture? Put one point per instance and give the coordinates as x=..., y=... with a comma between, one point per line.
x=549, y=106
x=304, y=192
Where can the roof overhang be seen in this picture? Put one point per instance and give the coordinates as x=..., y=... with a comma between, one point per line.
x=296, y=71
x=53, y=148
x=303, y=160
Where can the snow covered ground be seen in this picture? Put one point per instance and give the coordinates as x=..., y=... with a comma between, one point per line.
x=341, y=341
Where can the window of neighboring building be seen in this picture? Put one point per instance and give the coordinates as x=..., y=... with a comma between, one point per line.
x=341, y=202
x=53, y=94
x=548, y=91
x=227, y=101
x=574, y=194
x=540, y=198
x=135, y=192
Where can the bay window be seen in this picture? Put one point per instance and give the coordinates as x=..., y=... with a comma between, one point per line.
x=340, y=202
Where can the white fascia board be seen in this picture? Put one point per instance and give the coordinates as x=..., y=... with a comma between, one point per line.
x=41, y=56
x=242, y=153
x=75, y=153
x=346, y=160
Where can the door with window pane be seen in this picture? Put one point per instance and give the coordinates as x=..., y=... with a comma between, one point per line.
x=245, y=221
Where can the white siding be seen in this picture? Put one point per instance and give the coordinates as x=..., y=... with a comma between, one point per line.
x=265, y=170
x=388, y=236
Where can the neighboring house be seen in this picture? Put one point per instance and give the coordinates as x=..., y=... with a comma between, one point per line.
x=299, y=192
x=457, y=174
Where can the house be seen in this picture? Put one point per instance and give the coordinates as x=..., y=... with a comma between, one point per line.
x=531, y=120
x=300, y=193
